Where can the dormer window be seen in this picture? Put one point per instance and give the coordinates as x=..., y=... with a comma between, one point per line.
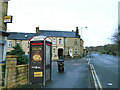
x=26, y=36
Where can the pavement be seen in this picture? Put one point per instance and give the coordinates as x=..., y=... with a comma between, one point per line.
x=75, y=75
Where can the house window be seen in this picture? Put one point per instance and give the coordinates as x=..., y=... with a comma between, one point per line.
x=66, y=41
x=54, y=41
x=1, y=51
x=18, y=42
x=76, y=51
x=81, y=43
x=60, y=41
x=54, y=50
x=9, y=44
x=28, y=44
x=66, y=51
x=76, y=42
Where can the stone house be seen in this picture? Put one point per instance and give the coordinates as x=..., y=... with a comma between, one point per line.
x=21, y=38
x=64, y=43
x=3, y=34
x=3, y=29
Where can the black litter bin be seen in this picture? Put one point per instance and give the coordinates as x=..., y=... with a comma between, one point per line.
x=60, y=65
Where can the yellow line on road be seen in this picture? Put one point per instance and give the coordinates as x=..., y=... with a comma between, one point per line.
x=93, y=77
x=97, y=79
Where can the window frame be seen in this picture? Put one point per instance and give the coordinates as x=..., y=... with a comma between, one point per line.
x=66, y=51
x=76, y=42
x=28, y=44
x=76, y=50
x=9, y=44
x=54, y=40
x=54, y=50
x=66, y=40
x=60, y=41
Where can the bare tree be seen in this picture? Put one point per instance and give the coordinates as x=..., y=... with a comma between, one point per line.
x=117, y=39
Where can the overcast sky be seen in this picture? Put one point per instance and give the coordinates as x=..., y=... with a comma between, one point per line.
x=100, y=16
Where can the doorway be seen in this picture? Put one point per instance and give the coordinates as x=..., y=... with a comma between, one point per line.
x=60, y=53
x=71, y=53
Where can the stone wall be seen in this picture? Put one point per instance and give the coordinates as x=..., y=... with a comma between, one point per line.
x=22, y=75
x=16, y=75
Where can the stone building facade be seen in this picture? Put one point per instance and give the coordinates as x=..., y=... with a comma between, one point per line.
x=64, y=43
x=3, y=28
x=3, y=34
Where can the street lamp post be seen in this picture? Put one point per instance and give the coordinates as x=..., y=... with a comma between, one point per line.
x=81, y=30
x=81, y=41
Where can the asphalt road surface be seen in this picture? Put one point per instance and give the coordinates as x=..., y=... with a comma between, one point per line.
x=75, y=75
x=106, y=67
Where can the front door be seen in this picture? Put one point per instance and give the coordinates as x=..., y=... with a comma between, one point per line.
x=60, y=53
x=71, y=53
x=1, y=52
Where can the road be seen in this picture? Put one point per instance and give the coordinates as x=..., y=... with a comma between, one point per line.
x=76, y=73
x=106, y=67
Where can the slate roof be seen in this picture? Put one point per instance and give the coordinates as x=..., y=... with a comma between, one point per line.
x=20, y=36
x=4, y=33
x=57, y=33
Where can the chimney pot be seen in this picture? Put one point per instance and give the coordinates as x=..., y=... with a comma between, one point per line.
x=37, y=29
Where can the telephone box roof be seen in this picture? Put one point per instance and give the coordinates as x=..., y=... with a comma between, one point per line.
x=40, y=38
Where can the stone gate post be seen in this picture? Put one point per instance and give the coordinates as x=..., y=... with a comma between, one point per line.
x=10, y=75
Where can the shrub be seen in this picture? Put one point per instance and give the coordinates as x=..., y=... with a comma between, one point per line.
x=22, y=59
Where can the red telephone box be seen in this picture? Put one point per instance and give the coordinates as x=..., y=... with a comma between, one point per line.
x=40, y=60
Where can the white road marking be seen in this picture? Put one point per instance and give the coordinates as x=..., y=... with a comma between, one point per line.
x=109, y=84
x=79, y=63
x=111, y=66
x=111, y=58
x=83, y=58
x=88, y=61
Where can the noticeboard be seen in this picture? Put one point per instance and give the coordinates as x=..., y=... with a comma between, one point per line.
x=7, y=19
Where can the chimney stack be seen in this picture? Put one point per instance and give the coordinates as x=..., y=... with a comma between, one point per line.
x=77, y=31
x=37, y=29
